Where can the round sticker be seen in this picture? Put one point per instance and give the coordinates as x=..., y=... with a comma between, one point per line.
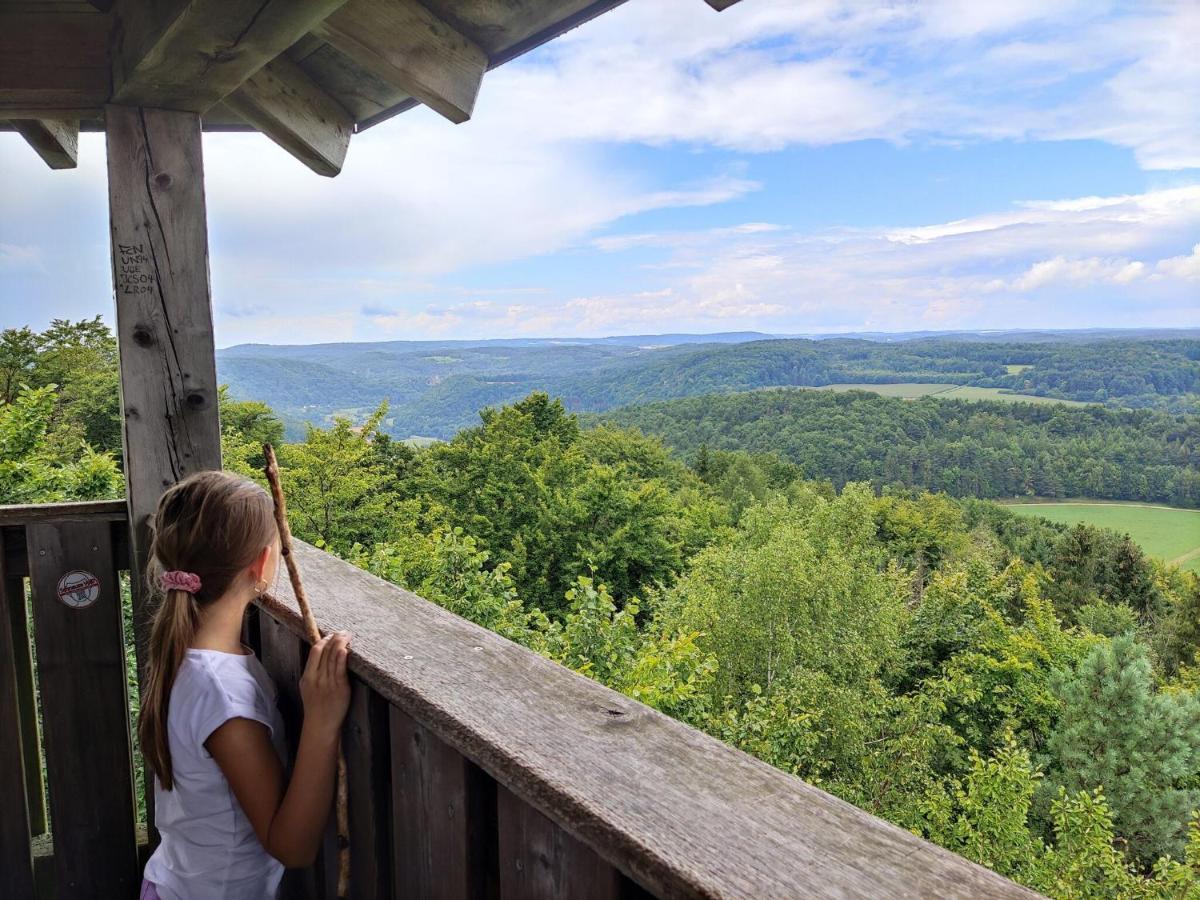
x=79, y=589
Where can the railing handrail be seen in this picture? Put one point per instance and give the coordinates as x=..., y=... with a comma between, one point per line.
x=69, y=511
x=680, y=812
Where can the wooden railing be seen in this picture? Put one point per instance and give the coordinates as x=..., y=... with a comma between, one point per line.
x=476, y=767
x=71, y=555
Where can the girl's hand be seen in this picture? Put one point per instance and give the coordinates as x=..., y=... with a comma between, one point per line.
x=325, y=687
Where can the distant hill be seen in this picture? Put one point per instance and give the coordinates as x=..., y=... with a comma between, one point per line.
x=435, y=388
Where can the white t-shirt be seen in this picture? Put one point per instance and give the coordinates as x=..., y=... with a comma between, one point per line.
x=209, y=848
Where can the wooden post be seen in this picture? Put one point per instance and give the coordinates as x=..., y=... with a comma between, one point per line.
x=164, y=319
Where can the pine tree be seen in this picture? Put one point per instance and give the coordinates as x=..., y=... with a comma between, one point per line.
x=1140, y=746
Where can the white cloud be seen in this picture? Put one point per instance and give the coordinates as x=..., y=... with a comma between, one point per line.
x=1184, y=267
x=295, y=257
x=1090, y=270
x=1039, y=264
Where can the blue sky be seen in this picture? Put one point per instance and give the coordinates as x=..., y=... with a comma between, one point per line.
x=783, y=166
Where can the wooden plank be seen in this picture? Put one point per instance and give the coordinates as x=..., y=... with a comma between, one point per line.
x=356, y=89
x=440, y=810
x=25, y=514
x=366, y=744
x=504, y=29
x=53, y=66
x=188, y=54
x=499, y=26
x=409, y=47
x=16, y=853
x=678, y=811
x=540, y=861
x=282, y=656
x=55, y=140
x=290, y=108
x=81, y=672
x=13, y=590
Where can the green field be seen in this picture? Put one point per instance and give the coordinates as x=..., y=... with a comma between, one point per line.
x=1170, y=534
x=910, y=390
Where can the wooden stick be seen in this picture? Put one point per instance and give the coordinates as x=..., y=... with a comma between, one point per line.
x=313, y=635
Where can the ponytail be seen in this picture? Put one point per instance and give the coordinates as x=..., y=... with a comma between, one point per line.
x=208, y=529
x=173, y=631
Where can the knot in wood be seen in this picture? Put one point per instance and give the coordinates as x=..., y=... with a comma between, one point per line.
x=197, y=400
x=143, y=336
x=162, y=180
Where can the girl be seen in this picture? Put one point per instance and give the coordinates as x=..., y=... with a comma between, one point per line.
x=209, y=727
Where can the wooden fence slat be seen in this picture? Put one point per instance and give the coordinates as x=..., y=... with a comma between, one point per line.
x=540, y=860
x=16, y=852
x=443, y=815
x=284, y=655
x=81, y=672
x=31, y=741
x=368, y=784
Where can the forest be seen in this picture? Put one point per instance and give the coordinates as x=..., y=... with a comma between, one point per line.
x=965, y=448
x=1022, y=692
x=436, y=388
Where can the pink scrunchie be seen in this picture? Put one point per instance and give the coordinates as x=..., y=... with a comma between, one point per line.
x=174, y=580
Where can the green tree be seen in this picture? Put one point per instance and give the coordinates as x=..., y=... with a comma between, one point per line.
x=334, y=485
x=1116, y=732
x=37, y=466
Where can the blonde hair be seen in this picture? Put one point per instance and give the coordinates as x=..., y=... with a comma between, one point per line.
x=212, y=524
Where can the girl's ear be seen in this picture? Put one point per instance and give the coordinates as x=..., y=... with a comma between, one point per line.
x=258, y=568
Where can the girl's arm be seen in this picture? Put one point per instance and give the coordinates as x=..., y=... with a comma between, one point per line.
x=290, y=824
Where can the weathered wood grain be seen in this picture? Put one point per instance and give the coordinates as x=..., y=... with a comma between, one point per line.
x=498, y=26
x=16, y=854
x=356, y=89
x=25, y=514
x=164, y=316
x=540, y=861
x=53, y=66
x=444, y=827
x=188, y=54
x=289, y=107
x=13, y=588
x=55, y=140
x=81, y=672
x=283, y=656
x=639, y=788
x=17, y=560
x=406, y=45
x=366, y=743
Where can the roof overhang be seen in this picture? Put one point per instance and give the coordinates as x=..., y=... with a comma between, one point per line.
x=307, y=73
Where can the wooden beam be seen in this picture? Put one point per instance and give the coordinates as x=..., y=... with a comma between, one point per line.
x=55, y=140
x=188, y=54
x=290, y=108
x=410, y=48
x=164, y=317
x=53, y=66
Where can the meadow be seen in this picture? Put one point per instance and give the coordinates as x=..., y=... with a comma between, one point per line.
x=910, y=390
x=1163, y=531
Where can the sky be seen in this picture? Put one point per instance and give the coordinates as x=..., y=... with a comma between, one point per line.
x=786, y=166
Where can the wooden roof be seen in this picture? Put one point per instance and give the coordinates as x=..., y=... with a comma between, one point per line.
x=307, y=73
